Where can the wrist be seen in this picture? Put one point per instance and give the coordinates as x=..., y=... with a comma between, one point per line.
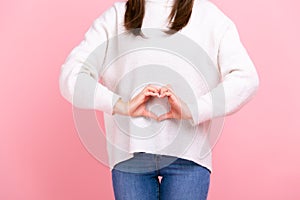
x=121, y=107
x=187, y=111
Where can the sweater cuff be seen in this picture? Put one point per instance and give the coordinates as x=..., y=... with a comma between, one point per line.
x=105, y=99
x=202, y=110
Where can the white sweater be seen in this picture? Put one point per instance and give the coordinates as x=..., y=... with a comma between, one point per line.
x=124, y=70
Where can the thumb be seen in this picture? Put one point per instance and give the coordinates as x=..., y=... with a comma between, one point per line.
x=168, y=115
x=150, y=114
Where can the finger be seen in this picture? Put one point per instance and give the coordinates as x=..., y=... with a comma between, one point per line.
x=167, y=94
x=173, y=100
x=147, y=91
x=169, y=87
x=163, y=91
x=152, y=88
x=150, y=114
x=166, y=88
x=168, y=115
x=151, y=94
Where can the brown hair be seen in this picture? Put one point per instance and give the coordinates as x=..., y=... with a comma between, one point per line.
x=178, y=18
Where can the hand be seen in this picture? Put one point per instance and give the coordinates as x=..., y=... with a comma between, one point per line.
x=178, y=109
x=136, y=107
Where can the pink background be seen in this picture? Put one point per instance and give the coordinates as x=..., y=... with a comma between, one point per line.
x=41, y=156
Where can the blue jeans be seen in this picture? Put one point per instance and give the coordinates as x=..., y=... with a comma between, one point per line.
x=137, y=178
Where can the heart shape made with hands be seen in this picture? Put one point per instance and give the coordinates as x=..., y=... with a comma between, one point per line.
x=178, y=108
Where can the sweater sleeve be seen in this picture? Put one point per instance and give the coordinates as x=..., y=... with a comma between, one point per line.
x=79, y=75
x=239, y=80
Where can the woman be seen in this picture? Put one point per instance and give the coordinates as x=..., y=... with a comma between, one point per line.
x=157, y=125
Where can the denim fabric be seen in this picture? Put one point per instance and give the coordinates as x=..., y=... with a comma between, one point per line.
x=137, y=178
